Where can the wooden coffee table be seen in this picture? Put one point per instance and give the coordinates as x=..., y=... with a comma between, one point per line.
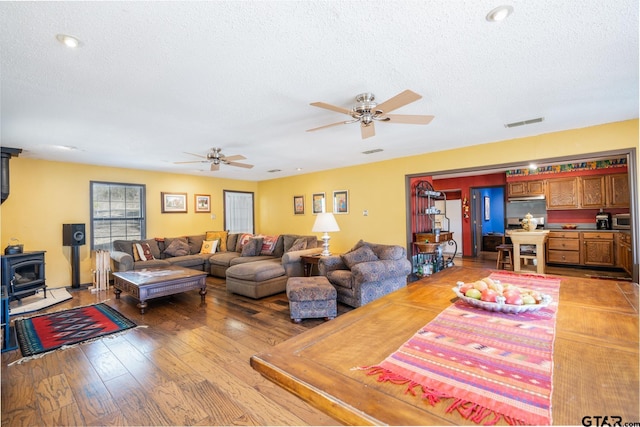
x=158, y=282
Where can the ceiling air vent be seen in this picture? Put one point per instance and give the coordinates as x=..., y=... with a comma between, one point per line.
x=377, y=150
x=524, y=122
x=275, y=170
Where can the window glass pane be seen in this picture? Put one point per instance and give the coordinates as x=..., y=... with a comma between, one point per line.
x=117, y=213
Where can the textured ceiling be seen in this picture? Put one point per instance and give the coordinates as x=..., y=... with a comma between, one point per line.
x=153, y=80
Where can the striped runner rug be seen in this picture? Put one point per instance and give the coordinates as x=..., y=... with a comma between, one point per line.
x=488, y=365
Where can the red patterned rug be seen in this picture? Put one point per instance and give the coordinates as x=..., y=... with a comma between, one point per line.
x=490, y=365
x=48, y=332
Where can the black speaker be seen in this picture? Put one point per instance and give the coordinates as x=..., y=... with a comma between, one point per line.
x=73, y=235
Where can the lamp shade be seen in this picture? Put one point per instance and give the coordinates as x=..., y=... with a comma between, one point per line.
x=325, y=222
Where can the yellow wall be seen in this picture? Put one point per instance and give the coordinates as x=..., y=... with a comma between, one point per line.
x=380, y=187
x=45, y=195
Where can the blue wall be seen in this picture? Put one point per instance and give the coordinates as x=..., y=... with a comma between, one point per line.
x=495, y=224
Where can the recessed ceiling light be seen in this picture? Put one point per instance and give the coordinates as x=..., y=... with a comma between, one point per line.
x=500, y=13
x=69, y=41
x=532, y=166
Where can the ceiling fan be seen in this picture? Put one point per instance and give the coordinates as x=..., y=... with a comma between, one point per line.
x=215, y=158
x=366, y=111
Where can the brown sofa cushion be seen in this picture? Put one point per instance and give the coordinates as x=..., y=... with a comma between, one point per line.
x=195, y=243
x=252, y=247
x=126, y=246
x=177, y=247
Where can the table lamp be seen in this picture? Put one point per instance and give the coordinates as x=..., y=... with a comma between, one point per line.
x=325, y=222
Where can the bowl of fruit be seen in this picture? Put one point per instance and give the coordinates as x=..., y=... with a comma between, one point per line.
x=492, y=295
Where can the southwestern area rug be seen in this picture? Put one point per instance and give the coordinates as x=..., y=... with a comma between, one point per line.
x=41, y=334
x=488, y=365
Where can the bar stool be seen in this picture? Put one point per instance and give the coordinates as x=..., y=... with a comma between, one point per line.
x=505, y=256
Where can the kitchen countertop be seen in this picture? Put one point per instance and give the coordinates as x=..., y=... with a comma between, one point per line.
x=583, y=229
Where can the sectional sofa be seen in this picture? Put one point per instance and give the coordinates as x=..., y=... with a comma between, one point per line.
x=253, y=265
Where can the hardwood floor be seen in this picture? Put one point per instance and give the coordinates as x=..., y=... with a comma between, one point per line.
x=187, y=364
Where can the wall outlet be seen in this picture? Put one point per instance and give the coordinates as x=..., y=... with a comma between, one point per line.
x=365, y=212
x=213, y=216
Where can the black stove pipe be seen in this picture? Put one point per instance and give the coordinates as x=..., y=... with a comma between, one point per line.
x=6, y=154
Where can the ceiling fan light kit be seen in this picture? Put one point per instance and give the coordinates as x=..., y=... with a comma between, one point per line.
x=366, y=111
x=215, y=157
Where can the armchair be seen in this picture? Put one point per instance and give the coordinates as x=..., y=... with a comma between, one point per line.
x=367, y=272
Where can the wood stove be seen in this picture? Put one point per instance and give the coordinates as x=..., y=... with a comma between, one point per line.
x=23, y=274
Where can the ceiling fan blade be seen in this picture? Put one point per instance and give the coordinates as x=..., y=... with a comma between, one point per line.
x=408, y=119
x=234, y=158
x=193, y=161
x=215, y=167
x=398, y=101
x=197, y=155
x=367, y=130
x=327, y=126
x=241, y=165
x=331, y=107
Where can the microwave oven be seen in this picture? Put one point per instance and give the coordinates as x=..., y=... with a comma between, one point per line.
x=621, y=221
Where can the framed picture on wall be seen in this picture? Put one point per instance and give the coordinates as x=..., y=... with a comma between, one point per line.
x=174, y=202
x=487, y=208
x=298, y=205
x=202, y=203
x=341, y=202
x=318, y=203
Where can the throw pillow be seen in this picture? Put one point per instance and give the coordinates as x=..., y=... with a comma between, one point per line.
x=222, y=235
x=144, y=252
x=362, y=254
x=298, y=245
x=252, y=247
x=242, y=240
x=268, y=245
x=177, y=247
x=209, y=246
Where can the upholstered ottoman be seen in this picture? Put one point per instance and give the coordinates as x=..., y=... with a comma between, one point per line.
x=311, y=297
x=256, y=279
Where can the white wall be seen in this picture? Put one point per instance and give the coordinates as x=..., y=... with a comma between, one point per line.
x=454, y=213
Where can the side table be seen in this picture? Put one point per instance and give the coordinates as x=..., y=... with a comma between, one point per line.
x=308, y=261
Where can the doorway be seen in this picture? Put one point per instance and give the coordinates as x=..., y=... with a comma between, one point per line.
x=488, y=219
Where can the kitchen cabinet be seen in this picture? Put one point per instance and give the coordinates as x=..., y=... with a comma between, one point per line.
x=587, y=248
x=617, y=190
x=526, y=188
x=562, y=193
x=592, y=192
x=624, y=258
x=597, y=249
x=604, y=191
x=563, y=247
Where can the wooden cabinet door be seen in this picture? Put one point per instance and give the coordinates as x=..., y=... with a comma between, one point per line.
x=618, y=190
x=592, y=191
x=535, y=188
x=517, y=189
x=562, y=193
x=598, y=249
